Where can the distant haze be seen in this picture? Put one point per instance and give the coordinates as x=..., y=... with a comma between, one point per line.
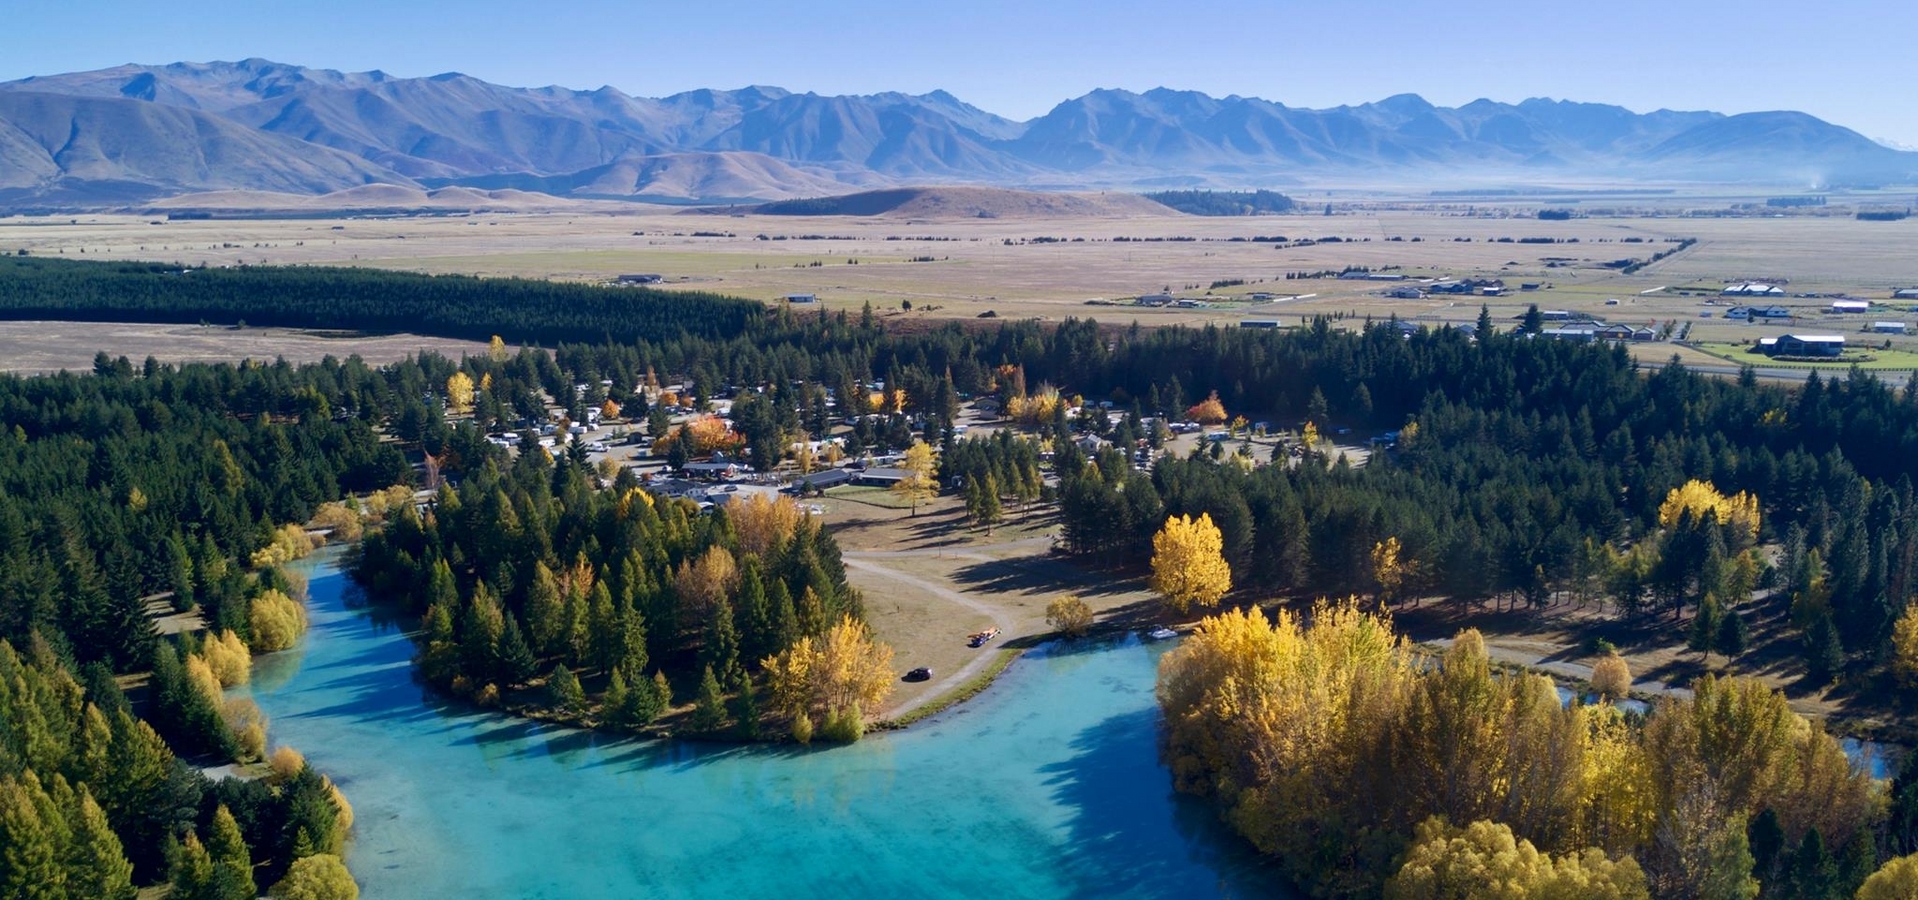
x=132, y=134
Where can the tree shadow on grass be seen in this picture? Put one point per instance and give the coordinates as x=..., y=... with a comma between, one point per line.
x=1032, y=575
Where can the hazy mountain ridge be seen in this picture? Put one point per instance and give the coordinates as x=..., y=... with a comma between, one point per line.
x=138, y=132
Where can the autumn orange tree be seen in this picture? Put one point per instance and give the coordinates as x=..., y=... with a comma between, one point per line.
x=1188, y=563
x=1209, y=411
x=702, y=436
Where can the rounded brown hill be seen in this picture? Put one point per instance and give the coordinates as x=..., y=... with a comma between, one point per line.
x=969, y=203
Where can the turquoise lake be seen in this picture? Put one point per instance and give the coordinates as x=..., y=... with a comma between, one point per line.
x=1048, y=785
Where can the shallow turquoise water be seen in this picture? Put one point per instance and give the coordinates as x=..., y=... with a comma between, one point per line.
x=1048, y=785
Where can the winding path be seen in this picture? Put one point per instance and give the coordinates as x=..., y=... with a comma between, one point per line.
x=865, y=561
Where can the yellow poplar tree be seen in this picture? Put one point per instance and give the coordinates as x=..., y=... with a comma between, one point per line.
x=1387, y=569
x=459, y=391
x=1188, y=563
x=496, y=349
x=1904, y=646
x=1898, y=880
x=919, y=485
x=1700, y=497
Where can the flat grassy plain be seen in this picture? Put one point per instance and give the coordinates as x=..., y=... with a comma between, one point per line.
x=1051, y=268
x=30, y=347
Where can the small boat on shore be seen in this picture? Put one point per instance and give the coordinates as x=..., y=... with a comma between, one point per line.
x=979, y=638
x=1160, y=633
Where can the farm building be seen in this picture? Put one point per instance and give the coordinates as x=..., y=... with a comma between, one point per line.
x=881, y=477
x=1888, y=327
x=1757, y=313
x=1157, y=300
x=639, y=279
x=1840, y=307
x=1752, y=289
x=819, y=481
x=1578, y=335
x=802, y=298
x=1258, y=323
x=1405, y=292
x=1806, y=345
x=1905, y=294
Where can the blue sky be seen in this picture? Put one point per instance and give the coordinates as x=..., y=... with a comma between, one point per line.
x=1846, y=61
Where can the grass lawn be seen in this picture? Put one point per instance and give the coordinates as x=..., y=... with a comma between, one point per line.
x=1871, y=359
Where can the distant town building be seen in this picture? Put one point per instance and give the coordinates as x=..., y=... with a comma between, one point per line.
x=1258, y=323
x=1888, y=327
x=1752, y=289
x=1905, y=294
x=639, y=279
x=802, y=298
x=1842, y=307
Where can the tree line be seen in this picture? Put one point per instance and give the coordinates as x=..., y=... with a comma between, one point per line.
x=364, y=299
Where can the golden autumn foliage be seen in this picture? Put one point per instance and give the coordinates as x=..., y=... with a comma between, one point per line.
x=276, y=621
x=380, y=504
x=1188, y=563
x=1904, y=647
x=290, y=542
x=1321, y=740
x=843, y=670
x=630, y=502
x=496, y=349
x=1740, y=511
x=763, y=522
x=609, y=410
x=1387, y=570
x=285, y=763
x=1209, y=411
x=228, y=658
x=702, y=435
x=1896, y=880
x=322, y=876
x=1484, y=861
x=459, y=391
x=1070, y=615
x=200, y=676
x=703, y=582
x=248, y=723
x=1037, y=409
x=1612, y=677
x=921, y=481
x=344, y=522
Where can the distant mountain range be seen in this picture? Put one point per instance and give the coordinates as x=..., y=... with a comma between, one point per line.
x=133, y=134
